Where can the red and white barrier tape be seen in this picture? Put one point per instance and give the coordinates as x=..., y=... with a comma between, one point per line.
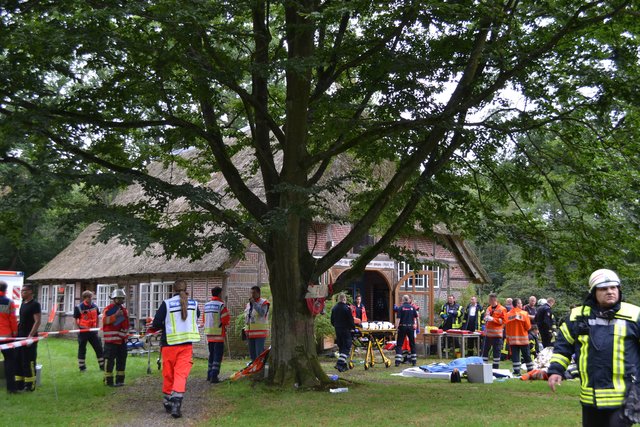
x=23, y=343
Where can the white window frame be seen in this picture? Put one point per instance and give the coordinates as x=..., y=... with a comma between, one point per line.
x=421, y=281
x=151, y=296
x=69, y=298
x=103, y=294
x=45, y=299
x=56, y=294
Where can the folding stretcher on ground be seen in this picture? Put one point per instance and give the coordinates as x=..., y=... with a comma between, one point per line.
x=370, y=338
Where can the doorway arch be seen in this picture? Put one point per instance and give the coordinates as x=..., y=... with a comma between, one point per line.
x=375, y=290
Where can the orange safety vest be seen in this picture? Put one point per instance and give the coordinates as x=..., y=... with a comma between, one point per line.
x=117, y=330
x=88, y=316
x=357, y=320
x=517, y=327
x=493, y=328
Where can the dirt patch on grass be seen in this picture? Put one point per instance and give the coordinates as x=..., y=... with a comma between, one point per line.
x=140, y=403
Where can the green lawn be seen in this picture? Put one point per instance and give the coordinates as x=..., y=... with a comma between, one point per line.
x=374, y=399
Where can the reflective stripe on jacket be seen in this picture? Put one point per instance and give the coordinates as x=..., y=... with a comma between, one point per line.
x=88, y=315
x=216, y=319
x=257, y=319
x=115, y=328
x=494, y=328
x=607, y=352
x=8, y=319
x=517, y=327
x=179, y=331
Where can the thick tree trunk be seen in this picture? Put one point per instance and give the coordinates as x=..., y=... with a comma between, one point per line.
x=293, y=358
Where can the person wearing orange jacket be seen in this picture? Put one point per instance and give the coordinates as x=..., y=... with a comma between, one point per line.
x=86, y=314
x=517, y=326
x=216, y=320
x=358, y=311
x=176, y=317
x=494, y=324
x=115, y=330
x=8, y=329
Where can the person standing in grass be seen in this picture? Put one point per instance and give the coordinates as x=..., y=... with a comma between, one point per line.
x=86, y=314
x=407, y=314
x=8, y=329
x=342, y=321
x=216, y=320
x=517, y=330
x=30, y=315
x=176, y=317
x=494, y=326
x=257, y=322
x=604, y=335
x=115, y=329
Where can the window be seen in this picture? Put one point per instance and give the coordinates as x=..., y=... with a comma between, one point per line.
x=45, y=302
x=421, y=281
x=103, y=295
x=69, y=298
x=59, y=298
x=151, y=296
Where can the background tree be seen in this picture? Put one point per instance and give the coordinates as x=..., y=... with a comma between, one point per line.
x=416, y=85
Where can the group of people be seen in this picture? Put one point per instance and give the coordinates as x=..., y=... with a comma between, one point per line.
x=177, y=320
x=516, y=329
x=19, y=363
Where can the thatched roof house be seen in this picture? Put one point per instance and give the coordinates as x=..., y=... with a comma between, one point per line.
x=449, y=266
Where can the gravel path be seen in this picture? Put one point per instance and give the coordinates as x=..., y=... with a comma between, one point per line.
x=143, y=403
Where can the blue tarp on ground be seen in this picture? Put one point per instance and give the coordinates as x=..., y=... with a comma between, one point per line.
x=459, y=364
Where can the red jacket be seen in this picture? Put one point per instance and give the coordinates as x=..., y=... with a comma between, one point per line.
x=8, y=319
x=115, y=326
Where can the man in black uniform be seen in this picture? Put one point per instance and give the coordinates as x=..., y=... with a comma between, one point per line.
x=546, y=321
x=342, y=321
x=406, y=316
x=30, y=314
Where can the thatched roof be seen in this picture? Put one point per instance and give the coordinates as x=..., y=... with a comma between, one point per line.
x=85, y=260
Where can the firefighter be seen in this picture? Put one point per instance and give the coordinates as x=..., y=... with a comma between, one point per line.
x=451, y=314
x=8, y=329
x=534, y=341
x=517, y=325
x=29, y=322
x=177, y=318
x=216, y=320
x=494, y=325
x=342, y=321
x=115, y=328
x=546, y=321
x=256, y=323
x=604, y=335
x=358, y=311
x=86, y=315
x=407, y=315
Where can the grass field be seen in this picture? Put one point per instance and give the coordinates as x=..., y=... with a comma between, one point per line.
x=375, y=398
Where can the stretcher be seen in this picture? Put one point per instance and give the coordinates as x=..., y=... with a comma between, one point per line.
x=370, y=339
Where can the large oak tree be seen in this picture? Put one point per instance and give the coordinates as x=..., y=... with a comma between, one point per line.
x=421, y=86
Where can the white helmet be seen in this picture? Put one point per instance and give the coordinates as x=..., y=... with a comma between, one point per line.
x=118, y=293
x=542, y=301
x=603, y=278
